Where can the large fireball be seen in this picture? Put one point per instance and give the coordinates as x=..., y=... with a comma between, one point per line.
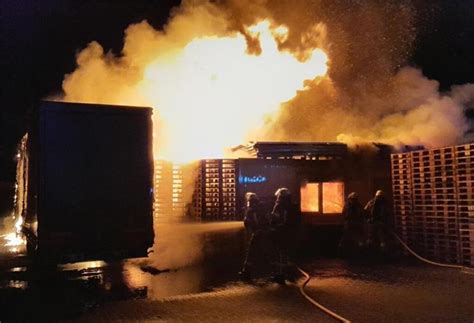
x=209, y=92
x=214, y=94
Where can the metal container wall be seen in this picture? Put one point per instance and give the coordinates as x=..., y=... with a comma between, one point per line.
x=434, y=202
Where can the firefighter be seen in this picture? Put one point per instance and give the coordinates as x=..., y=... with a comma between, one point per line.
x=354, y=217
x=256, y=227
x=285, y=219
x=377, y=212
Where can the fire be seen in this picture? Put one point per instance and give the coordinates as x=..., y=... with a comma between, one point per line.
x=216, y=81
x=213, y=94
x=14, y=239
x=209, y=92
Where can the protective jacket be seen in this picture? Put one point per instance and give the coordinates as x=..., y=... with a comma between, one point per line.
x=353, y=212
x=254, y=218
x=285, y=215
x=377, y=210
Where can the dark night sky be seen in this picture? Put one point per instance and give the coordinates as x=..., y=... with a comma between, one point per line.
x=40, y=38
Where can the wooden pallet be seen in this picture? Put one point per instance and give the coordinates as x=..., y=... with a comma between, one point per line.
x=433, y=200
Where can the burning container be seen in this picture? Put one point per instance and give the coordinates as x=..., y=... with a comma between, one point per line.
x=319, y=175
x=84, y=182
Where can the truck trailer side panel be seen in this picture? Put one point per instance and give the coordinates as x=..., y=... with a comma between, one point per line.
x=94, y=189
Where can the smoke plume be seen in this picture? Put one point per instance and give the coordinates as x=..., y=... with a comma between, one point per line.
x=369, y=93
x=408, y=110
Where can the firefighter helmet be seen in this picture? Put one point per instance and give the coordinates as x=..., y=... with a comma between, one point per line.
x=353, y=196
x=250, y=196
x=282, y=191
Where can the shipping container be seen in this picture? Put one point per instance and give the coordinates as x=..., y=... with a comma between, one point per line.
x=319, y=176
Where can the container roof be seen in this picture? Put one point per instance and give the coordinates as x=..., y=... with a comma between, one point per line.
x=271, y=149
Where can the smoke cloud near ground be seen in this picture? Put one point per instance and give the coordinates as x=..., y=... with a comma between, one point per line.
x=179, y=245
x=370, y=93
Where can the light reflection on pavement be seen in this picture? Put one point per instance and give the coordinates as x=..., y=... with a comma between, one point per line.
x=208, y=289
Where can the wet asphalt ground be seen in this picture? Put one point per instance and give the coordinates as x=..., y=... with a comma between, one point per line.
x=202, y=285
x=411, y=293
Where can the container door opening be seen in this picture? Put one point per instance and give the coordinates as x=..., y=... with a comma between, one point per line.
x=322, y=198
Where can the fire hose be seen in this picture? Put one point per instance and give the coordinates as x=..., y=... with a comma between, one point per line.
x=416, y=255
x=342, y=319
x=305, y=295
x=314, y=302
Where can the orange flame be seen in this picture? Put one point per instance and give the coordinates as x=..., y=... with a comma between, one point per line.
x=209, y=92
x=14, y=240
x=213, y=94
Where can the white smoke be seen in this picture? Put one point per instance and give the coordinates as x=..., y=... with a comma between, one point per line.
x=416, y=113
x=366, y=96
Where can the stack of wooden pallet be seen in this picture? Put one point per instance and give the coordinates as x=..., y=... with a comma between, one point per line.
x=435, y=205
x=215, y=195
x=433, y=201
x=169, y=204
x=229, y=189
x=465, y=196
x=402, y=196
x=162, y=203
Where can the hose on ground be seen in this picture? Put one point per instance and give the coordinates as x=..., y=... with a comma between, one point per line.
x=344, y=320
x=315, y=303
x=434, y=263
